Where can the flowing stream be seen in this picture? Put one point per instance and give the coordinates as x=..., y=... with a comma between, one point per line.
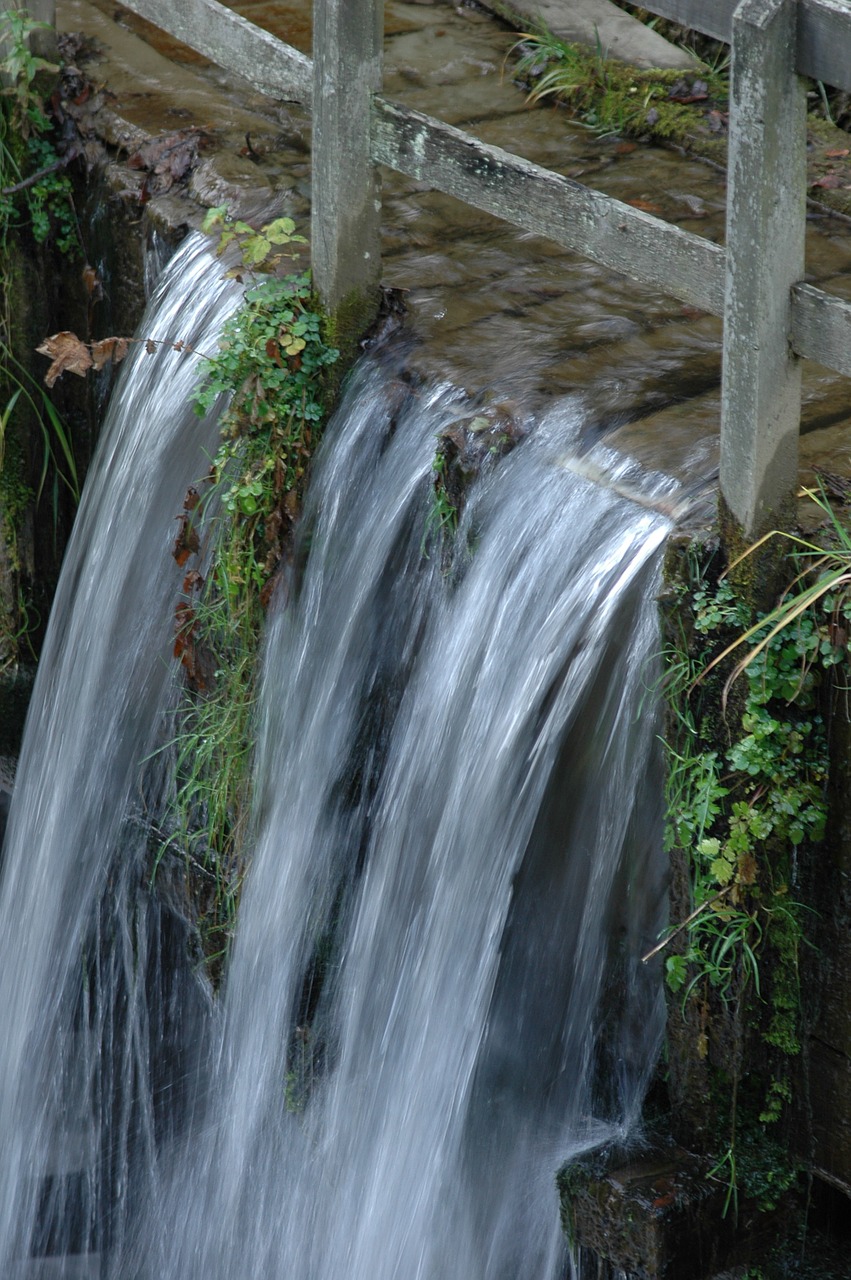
x=435, y=996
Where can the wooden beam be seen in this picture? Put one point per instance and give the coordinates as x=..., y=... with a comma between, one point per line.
x=234, y=43
x=766, y=216
x=536, y=199
x=823, y=40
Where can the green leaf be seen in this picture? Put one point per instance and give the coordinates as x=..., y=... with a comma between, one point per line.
x=257, y=249
x=676, y=971
x=214, y=218
x=722, y=870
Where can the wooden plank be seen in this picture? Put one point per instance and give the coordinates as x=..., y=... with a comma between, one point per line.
x=615, y=234
x=234, y=43
x=766, y=216
x=823, y=32
x=821, y=327
x=348, y=37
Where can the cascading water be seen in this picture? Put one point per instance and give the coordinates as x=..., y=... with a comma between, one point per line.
x=435, y=995
x=102, y=683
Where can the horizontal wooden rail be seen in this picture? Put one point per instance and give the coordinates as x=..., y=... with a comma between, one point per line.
x=233, y=43
x=536, y=199
x=824, y=32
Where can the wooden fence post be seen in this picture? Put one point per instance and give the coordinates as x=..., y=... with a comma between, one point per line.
x=346, y=219
x=766, y=212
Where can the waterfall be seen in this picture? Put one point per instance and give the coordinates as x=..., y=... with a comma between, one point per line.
x=103, y=680
x=435, y=995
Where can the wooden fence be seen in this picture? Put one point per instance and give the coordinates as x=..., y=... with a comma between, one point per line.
x=771, y=318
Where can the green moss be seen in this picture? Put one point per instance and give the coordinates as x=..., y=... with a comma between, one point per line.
x=343, y=329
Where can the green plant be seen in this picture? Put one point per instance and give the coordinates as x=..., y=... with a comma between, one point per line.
x=610, y=97
x=442, y=519
x=30, y=166
x=35, y=202
x=747, y=781
x=21, y=67
x=237, y=527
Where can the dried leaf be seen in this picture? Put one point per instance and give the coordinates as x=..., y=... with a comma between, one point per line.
x=92, y=283
x=150, y=346
x=114, y=349
x=829, y=181
x=747, y=869
x=837, y=154
x=838, y=635
x=68, y=353
x=187, y=542
x=645, y=205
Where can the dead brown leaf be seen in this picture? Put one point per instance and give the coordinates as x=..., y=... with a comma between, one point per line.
x=829, y=182
x=646, y=206
x=747, y=869
x=68, y=354
x=114, y=349
x=92, y=283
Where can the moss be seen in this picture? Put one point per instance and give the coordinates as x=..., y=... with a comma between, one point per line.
x=757, y=575
x=828, y=165
x=686, y=109
x=344, y=329
x=611, y=97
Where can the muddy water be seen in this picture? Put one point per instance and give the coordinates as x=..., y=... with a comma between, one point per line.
x=491, y=306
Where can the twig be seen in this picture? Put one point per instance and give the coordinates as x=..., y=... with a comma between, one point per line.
x=36, y=177
x=660, y=946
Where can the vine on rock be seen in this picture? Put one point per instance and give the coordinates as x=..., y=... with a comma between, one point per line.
x=747, y=796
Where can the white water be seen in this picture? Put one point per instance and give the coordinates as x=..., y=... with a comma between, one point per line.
x=458, y=808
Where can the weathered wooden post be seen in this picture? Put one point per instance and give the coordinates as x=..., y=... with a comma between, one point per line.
x=346, y=218
x=766, y=211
